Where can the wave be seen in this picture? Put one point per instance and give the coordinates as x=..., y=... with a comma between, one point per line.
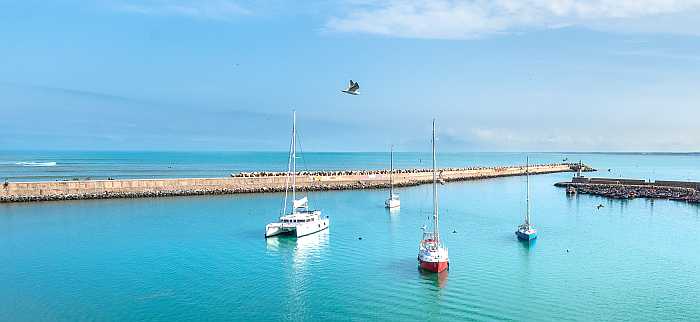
x=36, y=164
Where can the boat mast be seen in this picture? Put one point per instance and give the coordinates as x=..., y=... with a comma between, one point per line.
x=391, y=174
x=294, y=158
x=436, y=232
x=527, y=196
x=289, y=170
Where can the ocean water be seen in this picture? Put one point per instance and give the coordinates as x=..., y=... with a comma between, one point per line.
x=67, y=165
x=205, y=257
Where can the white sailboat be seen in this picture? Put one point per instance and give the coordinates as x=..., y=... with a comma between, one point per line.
x=393, y=201
x=301, y=220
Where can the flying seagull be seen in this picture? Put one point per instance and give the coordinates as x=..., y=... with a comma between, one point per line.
x=353, y=88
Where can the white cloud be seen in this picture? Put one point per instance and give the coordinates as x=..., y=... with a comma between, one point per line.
x=455, y=19
x=578, y=139
x=202, y=9
x=657, y=53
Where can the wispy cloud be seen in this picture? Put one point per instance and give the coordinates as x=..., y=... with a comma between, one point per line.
x=72, y=92
x=658, y=53
x=201, y=9
x=458, y=19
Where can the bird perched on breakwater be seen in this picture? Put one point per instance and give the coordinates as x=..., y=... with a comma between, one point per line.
x=353, y=88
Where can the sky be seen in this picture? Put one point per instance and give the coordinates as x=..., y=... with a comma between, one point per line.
x=499, y=75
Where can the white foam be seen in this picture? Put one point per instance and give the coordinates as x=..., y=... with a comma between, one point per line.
x=36, y=164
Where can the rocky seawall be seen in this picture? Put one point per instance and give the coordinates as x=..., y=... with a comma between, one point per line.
x=257, y=182
x=628, y=191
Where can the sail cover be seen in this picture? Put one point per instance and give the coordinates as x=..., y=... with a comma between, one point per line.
x=301, y=203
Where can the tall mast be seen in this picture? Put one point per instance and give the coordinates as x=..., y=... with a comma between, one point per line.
x=527, y=183
x=294, y=157
x=436, y=232
x=391, y=173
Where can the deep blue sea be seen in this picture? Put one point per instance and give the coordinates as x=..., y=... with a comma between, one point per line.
x=205, y=257
x=62, y=165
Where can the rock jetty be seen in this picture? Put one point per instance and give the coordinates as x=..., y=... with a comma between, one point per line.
x=252, y=182
x=680, y=192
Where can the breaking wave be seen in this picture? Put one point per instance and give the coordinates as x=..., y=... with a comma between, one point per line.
x=36, y=164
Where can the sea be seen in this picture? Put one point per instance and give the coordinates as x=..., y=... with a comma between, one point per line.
x=205, y=258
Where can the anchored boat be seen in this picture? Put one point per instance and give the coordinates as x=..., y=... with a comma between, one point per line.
x=301, y=220
x=432, y=254
x=526, y=231
x=393, y=201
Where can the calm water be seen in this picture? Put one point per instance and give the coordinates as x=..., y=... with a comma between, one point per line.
x=205, y=258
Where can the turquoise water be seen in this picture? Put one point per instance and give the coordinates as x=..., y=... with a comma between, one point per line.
x=205, y=258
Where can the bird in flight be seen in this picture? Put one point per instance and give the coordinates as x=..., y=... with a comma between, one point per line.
x=353, y=88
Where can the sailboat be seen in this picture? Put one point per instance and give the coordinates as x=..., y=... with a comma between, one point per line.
x=527, y=231
x=393, y=201
x=301, y=220
x=432, y=254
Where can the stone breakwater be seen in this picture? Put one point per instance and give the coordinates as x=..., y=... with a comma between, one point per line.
x=627, y=191
x=257, y=182
x=533, y=169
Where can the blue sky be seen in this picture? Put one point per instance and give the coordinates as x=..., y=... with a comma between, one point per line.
x=502, y=75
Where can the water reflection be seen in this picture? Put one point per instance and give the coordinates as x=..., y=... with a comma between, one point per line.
x=436, y=279
x=573, y=201
x=303, y=248
x=527, y=246
x=394, y=211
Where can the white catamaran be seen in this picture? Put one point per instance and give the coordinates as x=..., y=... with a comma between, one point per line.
x=300, y=221
x=393, y=201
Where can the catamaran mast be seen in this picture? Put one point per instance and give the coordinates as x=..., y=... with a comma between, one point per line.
x=291, y=159
x=294, y=158
x=527, y=197
x=391, y=174
x=436, y=232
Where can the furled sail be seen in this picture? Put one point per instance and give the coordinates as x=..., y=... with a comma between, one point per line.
x=302, y=203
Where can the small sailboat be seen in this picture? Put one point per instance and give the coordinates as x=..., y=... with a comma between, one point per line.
x=393, y=201
x=301, y=220
x=432, y=254
x=526, y=231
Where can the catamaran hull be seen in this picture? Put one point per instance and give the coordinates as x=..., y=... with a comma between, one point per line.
x=525, y=236
x=435, y=267
x=274, y=230
x=310, y=228
x=298, y=230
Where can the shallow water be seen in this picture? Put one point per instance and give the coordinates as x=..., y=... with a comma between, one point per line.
x=205, y=258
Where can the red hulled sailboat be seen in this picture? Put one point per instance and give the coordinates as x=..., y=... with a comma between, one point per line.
x=432, y=254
